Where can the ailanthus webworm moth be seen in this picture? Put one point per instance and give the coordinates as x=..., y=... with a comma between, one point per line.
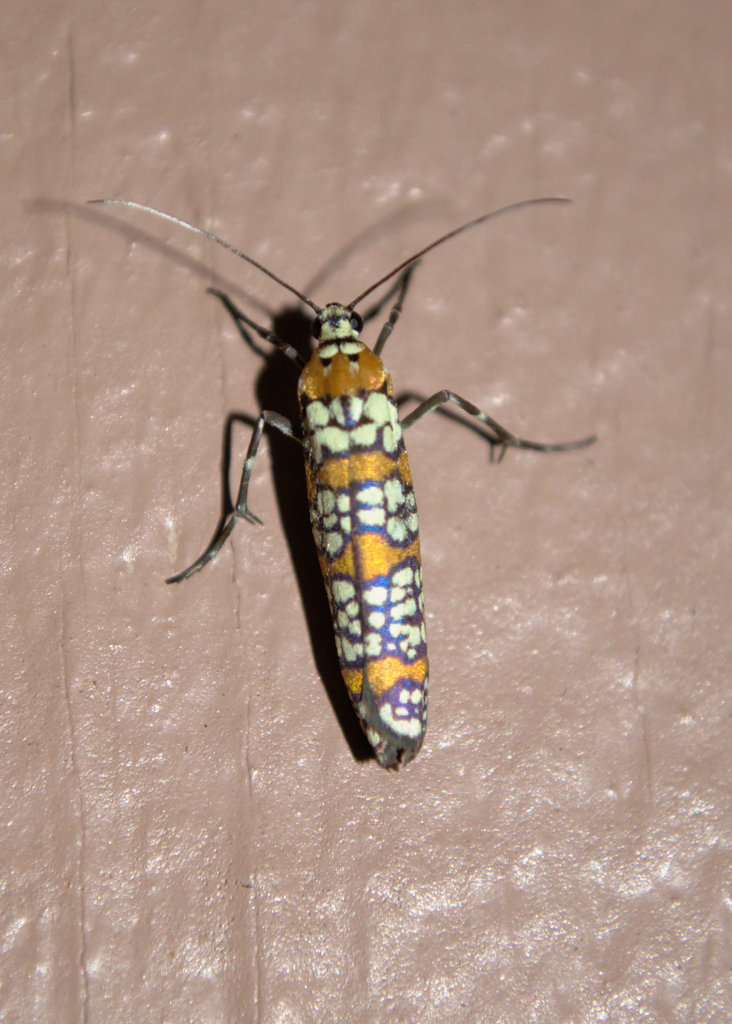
x=362, y=507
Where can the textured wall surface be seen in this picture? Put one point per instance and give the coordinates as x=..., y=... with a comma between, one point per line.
x=191, y=831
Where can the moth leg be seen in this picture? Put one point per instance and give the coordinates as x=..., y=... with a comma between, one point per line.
x=396, y=309
x=243, y=321
x=241, y=509
x=377, y=307
x=495, y=434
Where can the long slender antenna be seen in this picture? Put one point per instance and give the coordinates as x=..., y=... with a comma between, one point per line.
x=212, y=238
x=451, y=234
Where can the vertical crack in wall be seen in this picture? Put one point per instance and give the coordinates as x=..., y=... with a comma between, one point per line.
x=74, y=559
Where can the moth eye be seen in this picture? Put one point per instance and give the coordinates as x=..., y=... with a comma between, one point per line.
x=356, y=322
x=316, y=327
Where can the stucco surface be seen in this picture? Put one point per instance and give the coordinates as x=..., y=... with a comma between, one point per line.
x=191, y=828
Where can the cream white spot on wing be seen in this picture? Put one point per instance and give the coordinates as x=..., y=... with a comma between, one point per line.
x=352, y=651
x=333, y=543
x=317, y=415
x=396, y=530
x=354, y=405
x=371, y=516
x=403, y=577
x=414, y=635
x=388, y=439
x=326, y=500
x=404, y=609
x=343, y=590
x=365, y=435
x=411, y=727
x=336, y=411
x=332, y=438
x=376, y=408
x=372, y=645
x=370, y=495
x=394, y=493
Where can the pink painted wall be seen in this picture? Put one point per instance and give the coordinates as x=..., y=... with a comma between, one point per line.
x=189, y=833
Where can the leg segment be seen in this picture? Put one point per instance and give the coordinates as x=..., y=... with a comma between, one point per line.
x=395, y=310
x=241, y=510
x=496, y=435
x=377, y=307
x=264, y=333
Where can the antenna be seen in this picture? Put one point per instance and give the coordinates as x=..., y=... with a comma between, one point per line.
x=451, y=234
x=492, y=215
x=213, y=238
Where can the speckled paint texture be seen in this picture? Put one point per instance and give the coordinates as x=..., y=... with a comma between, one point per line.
x=191, y=827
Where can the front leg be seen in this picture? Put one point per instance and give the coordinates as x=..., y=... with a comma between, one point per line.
x=496, y=435
x=241, y=509
x=243, y=322
x=396, y=310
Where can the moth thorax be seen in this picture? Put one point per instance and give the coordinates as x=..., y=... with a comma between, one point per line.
x=345, y=367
